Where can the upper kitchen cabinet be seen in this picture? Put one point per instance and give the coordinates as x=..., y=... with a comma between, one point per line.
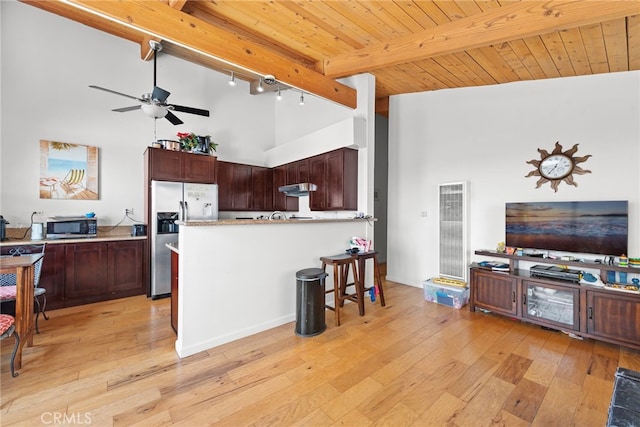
x=234, y=186
x=290, y=173
x=336, y=175
x=262, y=188
x=168, y=165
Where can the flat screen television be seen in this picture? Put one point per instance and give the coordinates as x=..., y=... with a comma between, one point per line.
x=598, y=227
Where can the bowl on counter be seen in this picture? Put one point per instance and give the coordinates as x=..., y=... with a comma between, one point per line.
x=90, y=215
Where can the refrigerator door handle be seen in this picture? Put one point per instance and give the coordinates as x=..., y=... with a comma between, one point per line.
x=186, y=211
x=181, y=212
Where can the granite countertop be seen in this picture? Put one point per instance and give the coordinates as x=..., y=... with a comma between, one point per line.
x=105, y=234
x=196, y=223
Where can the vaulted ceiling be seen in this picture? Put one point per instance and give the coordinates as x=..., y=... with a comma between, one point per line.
x=410, y=46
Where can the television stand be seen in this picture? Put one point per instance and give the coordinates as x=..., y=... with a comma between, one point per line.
x=582, y=310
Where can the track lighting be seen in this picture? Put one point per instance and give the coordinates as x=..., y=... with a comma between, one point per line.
x=301, y=98
x=260, y=87
x=232, y=80
x=279, y=95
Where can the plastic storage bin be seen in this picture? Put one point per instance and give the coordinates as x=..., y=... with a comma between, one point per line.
x=452, y=296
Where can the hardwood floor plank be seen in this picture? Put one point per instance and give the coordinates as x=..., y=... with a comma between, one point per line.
x=594, y=401
x=575, y=362
x=410, y=363
x=513, y=368
x=472, y=378
x=440, y=410
x=525, y=399
x=485, y=404
x=351, y=398
x=559, y=404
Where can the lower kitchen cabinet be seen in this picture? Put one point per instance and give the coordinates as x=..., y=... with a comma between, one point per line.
x=598, y=313
x=100, y=271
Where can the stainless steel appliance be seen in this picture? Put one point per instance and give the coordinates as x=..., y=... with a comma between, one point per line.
x=71, y=227
x=170, y=202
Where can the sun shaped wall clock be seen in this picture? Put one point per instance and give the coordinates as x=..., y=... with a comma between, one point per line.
x=557, y=166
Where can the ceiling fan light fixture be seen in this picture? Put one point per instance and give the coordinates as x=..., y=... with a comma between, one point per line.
x=155, y=111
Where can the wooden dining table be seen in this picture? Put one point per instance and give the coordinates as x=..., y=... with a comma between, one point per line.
x=23, y=267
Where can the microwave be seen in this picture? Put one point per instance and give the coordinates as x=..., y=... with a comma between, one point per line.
x=71, y=227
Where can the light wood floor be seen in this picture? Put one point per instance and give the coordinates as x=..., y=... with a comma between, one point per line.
x=411, y=363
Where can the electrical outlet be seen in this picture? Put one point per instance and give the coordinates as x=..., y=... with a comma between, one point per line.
x=128, y=211
x=38, y=212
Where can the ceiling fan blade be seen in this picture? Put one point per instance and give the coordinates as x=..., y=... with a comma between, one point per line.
x=160, y=94
x=173, y=118
x=116, y=93
x=190, y=110
x=123, y=109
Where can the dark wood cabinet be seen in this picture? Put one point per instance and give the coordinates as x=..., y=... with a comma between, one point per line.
x=279, y=199
x=85, y=272
x=262, y=188
x=336, y=175
x=167, y=165
x=318, y=176
x=101, y=271
x=52, y=276
x=81, y=273
x=254, y=188
x=494, y=292
x=241, y=187
x=125, y=268
x=613, y=317
x=587, y=311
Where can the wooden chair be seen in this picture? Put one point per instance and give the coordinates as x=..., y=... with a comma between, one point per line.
x=341, y=265
x=8, y=281
x=8, y=328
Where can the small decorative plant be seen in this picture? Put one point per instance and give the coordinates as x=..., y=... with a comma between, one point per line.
x=189, y=141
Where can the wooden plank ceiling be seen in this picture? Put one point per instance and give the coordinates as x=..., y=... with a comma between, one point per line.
x=410, y=46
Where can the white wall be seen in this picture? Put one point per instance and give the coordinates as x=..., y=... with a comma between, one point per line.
x=484, y=136
x=48, y=62
x=47, y=67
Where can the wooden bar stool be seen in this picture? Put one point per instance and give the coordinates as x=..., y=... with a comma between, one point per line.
x=341, y=264
x=377, y=281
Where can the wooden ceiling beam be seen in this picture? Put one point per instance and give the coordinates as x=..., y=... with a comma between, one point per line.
x=511, y=22
x=161, y=20
x=146, y=52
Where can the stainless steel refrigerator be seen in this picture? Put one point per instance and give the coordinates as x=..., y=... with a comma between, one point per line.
x=170, y=202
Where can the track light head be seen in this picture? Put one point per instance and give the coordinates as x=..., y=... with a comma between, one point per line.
x=260, y=88
x=232, y=79
x=301, y=98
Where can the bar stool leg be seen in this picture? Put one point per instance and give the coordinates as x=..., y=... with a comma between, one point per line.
x=376, y=272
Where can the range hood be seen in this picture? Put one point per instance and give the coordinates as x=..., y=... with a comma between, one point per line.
x=297, y=190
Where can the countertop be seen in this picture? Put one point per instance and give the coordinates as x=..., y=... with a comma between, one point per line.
x=105, y=234
x=173, y=247
x=197, y=223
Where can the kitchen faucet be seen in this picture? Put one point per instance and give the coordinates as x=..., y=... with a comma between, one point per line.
x=275, y=214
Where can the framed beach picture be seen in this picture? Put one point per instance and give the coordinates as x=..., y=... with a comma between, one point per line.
x=68, y=171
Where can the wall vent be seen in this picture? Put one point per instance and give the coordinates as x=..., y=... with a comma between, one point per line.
x=453, y=230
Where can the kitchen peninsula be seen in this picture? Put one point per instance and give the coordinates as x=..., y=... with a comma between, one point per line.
x=237, y=277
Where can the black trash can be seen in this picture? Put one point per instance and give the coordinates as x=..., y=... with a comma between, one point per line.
x=310, y=302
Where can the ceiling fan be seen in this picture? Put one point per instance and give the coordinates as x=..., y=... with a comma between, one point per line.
x=155, y=104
